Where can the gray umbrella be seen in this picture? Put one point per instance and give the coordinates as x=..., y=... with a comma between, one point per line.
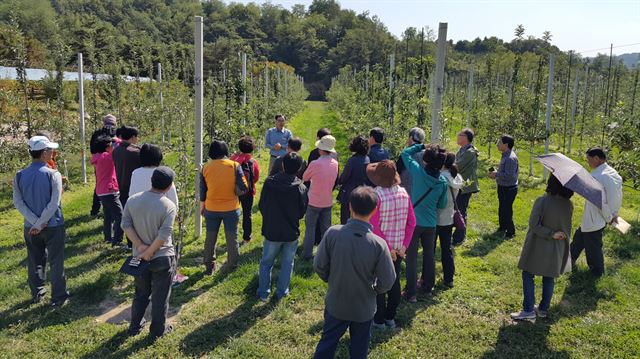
x=573, y=176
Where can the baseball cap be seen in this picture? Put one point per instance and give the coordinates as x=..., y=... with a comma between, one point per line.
x=38, y=143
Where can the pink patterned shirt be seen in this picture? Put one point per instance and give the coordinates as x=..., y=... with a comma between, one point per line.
x=394, y=220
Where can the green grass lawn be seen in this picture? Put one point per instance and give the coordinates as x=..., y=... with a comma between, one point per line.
x=221, y=317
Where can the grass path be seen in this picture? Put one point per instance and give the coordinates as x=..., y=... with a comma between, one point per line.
x=220, y=316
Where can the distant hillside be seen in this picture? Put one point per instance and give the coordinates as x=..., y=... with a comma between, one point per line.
x=630, y=60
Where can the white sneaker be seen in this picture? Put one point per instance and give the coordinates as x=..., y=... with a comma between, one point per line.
x=540, y=313
x=522, y=315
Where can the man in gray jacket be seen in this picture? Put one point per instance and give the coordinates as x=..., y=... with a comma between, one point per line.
x=357, y=265
x=467, y=163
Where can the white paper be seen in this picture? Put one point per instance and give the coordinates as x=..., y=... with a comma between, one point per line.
x=622, y=225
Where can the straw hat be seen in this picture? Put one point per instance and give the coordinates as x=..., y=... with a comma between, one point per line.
x=327, y=143
x=383, y=173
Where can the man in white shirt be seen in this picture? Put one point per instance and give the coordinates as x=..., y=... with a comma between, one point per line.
x=589, y=235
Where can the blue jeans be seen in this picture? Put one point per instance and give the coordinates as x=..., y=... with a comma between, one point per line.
x=213, y=221
x=334, y=328
x=270, y=250
x=529, y=291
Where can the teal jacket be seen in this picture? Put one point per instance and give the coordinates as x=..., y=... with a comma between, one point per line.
x=427, y=210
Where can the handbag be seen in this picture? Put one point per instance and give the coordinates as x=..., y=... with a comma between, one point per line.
x=458, y=219
x=134, y=266
x=241, y=187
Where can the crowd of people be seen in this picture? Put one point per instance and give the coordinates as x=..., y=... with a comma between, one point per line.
x=388, y=211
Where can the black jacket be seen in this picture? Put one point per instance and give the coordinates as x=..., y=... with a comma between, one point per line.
x=277, y=168
x=283, y=202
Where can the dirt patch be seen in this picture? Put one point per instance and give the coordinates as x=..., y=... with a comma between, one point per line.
x=120, y=313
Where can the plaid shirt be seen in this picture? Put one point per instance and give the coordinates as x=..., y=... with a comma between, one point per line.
x=507, y=175
x=394, y=220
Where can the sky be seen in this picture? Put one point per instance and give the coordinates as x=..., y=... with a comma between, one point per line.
x=585, y=26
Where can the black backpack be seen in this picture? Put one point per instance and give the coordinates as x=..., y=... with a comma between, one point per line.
x=247, y=169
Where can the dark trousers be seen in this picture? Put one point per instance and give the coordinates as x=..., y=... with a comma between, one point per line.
x=334, y=328
x=446, y=252
x=247, y=205
x=48, y=244
x=529, y=292
x=591, y=242
x=506, y=197
x=213, y=221
x=463, y=204
x=124, y=197
x=389, y=301
x=112, y=217
x=426, y=237
x=154, y=285
x=345, y=214
x=95, y=207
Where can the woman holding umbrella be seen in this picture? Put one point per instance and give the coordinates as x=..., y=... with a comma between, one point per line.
x=546, y=248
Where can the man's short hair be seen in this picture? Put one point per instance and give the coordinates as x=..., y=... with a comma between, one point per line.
x=150, y=155
x=508, y=140
x=417, y=135
x=323, y=132
x=363, y=200
x=292, y=163
x=597, y=152
x=36, y=154
x=469, y=133
x=126, y=132
x=246, y=145
x=378, y=134
x=295, y=144
x=218, y=150
x=278, y=116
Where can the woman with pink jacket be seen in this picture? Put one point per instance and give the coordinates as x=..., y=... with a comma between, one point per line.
x=394, y=221
x=107, y=189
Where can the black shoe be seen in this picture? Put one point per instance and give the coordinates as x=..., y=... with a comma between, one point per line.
x=509, y=235
x=135, y=331
x=37, y=298
x=448, y=284
x=168, y=329
x=55, y=305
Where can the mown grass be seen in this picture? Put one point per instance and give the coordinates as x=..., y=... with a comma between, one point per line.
x=220, y=316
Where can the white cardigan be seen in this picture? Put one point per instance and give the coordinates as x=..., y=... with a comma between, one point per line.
x=445, y=215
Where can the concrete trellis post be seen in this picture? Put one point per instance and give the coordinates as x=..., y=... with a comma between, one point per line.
x=197, y=83
x=439, y=83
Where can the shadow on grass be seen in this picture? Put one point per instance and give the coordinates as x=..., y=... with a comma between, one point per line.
x=219, y=331
x=83, y=303
x=627, y=246
x=188, y=291
x=527, y=339
x=110, y=348
x=485, y=245
x=404, y=319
